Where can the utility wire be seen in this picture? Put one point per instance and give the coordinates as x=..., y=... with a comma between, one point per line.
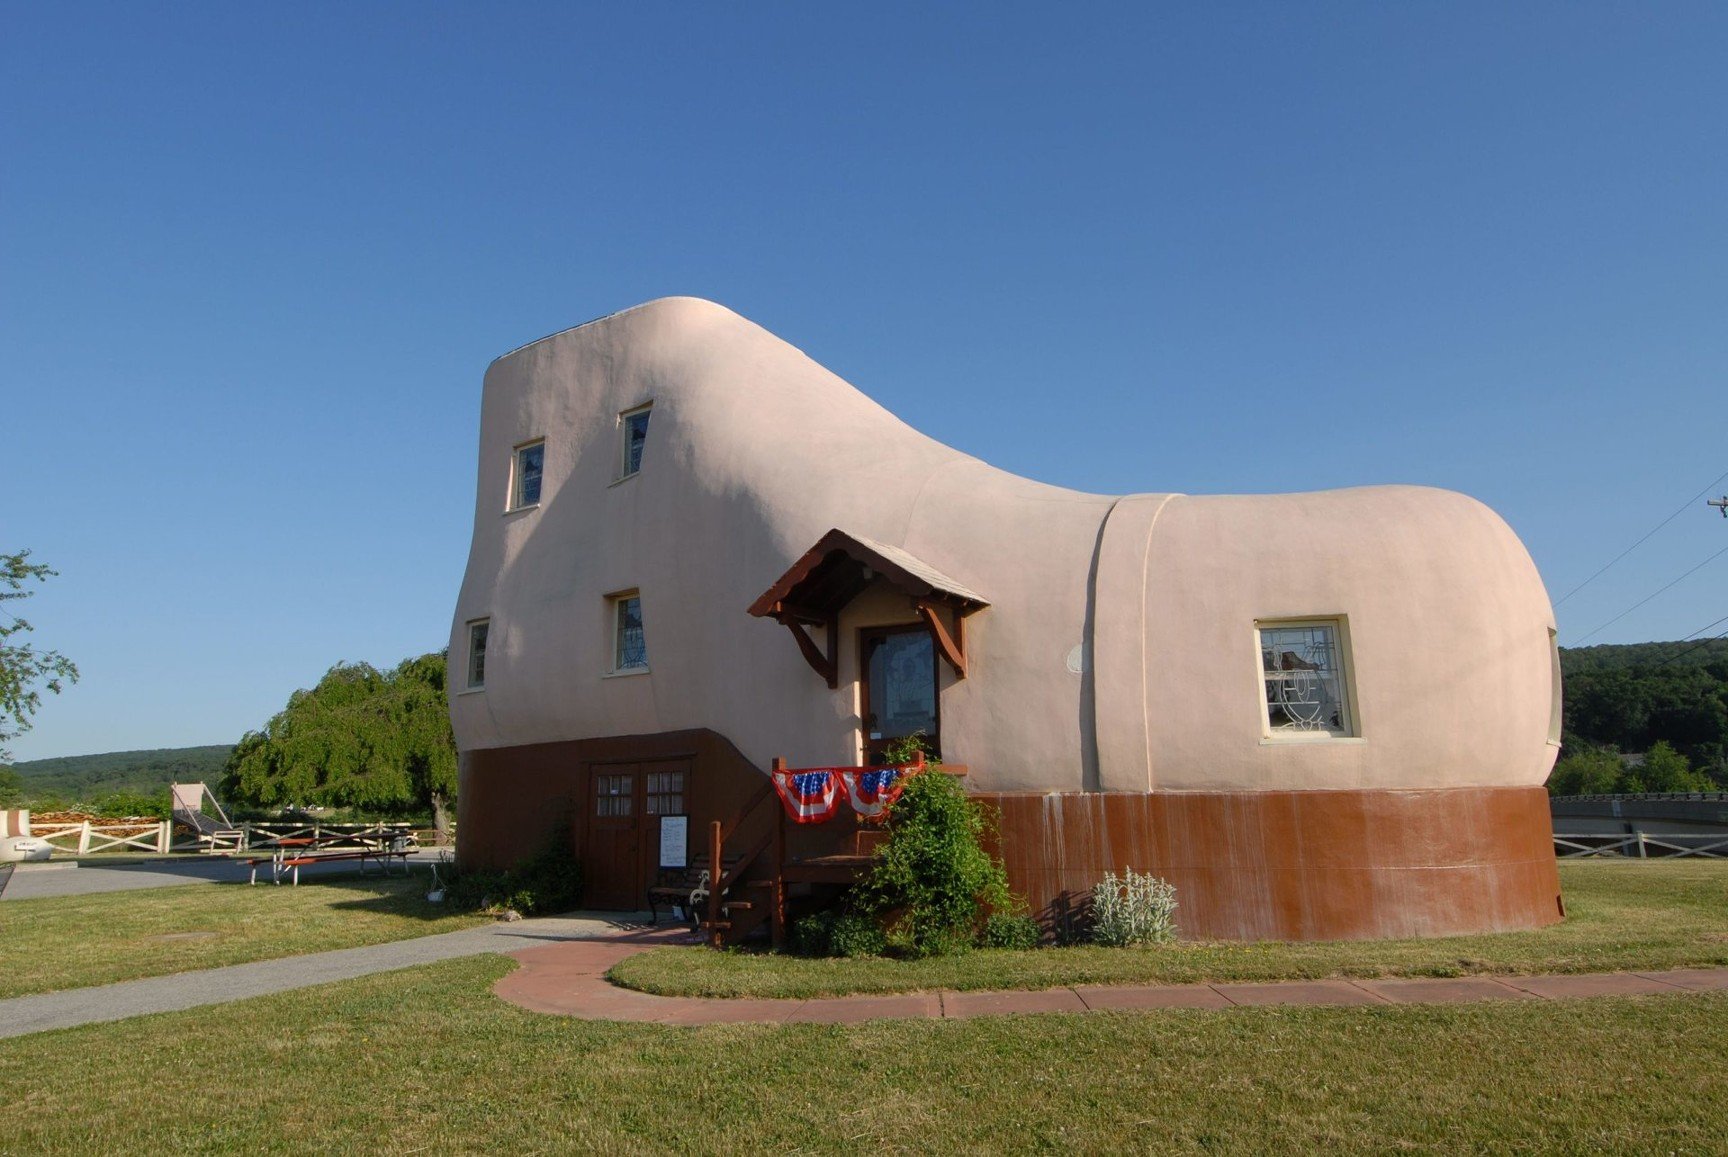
x=1683, y=508
x=1650, y=596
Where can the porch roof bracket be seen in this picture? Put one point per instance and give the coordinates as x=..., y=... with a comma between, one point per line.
x=827, y=666
x=952, y=647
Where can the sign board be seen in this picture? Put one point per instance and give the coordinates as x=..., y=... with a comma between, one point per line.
x=674, y=841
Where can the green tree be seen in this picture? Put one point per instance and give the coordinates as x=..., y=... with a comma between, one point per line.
x=1592, y=771
x=1665, y=769
x=22, y=665
x=11, y=787
x=363, y=738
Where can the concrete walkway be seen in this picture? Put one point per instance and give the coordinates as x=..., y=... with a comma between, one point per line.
x=570, y=980
x=49, y=1010
x=564, y=960
x=120, y=873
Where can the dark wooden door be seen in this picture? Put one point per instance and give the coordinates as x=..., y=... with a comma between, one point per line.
x=612, y=847
x=900, y=689
x=621, y=848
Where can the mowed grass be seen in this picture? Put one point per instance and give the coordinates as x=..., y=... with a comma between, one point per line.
x=58, y=942
x=428, y=1060
x=1620, y=915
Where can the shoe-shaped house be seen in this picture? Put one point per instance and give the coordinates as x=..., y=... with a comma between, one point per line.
x=695, y=550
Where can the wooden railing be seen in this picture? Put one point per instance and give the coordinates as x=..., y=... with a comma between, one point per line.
x=84, y=838
x=726, y=872
x=1642, y=845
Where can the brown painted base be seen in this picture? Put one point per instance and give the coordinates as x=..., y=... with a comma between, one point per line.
x=1297, y=865
x=1273, y=865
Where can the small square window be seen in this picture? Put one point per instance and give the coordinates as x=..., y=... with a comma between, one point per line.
x=635, y=425
x=477, y=631
x=1306, y=679
x=629, y=645
x=525, y=471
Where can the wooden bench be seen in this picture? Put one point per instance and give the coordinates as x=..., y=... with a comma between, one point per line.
x=687, y=889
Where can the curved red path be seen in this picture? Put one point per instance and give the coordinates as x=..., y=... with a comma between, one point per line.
x=569, y=979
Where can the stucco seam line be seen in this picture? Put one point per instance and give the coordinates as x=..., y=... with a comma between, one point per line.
x=1145, y=634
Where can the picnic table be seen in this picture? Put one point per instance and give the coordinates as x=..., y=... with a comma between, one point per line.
x=289, y=855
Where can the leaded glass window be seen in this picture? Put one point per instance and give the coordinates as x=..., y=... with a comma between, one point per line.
x=1307, y=692
x=525, y=485
x=477, y=632
x=635, y=437
x=630, y=651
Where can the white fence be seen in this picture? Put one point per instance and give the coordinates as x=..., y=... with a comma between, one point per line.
x=1642, y=845
x=84, y=838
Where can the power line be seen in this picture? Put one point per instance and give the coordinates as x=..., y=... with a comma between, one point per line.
x=1683, y=507
x=1650, y=596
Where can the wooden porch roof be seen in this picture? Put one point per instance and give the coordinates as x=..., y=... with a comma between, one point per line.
x=836, y=570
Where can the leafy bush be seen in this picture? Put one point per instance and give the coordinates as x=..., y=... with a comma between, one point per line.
x=933, y=882
x=836, y=933
x=1004, y=931
x=1136, y=908
x=549, y=882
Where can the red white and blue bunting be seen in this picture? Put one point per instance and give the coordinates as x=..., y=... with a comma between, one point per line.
x=812, y=795
x=873, y=789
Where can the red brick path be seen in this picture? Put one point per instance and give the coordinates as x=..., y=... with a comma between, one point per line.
x=569, y=979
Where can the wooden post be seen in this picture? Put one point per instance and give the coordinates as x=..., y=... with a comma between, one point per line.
x=84, y=839
x=777, y=890
x=714, y=857
x=163, y=836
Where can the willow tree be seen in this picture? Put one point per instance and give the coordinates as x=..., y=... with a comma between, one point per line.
x=363, y=738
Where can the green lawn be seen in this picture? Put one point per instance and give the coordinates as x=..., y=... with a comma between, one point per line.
x=428, y=1060
x=1620, y=915
x=72, y=941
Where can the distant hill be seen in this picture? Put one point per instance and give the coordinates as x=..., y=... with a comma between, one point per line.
x=1622, y=656
x=84, y=778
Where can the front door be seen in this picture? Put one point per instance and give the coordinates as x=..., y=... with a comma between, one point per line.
x=621, y=846
x=899, y=688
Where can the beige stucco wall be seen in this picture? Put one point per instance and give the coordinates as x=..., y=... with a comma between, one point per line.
x=754, y=451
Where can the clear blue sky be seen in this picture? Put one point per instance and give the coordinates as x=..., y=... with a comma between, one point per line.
x=254, y=260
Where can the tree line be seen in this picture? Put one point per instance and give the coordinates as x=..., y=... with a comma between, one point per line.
x=1665, y=701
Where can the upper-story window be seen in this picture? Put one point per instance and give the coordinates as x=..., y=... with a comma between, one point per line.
x=526, y=467
x=477, y=632
x=635, y=427
x=1307, y=679
x=629, y=644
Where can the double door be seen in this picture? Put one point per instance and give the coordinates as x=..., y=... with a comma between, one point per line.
x=621, y=837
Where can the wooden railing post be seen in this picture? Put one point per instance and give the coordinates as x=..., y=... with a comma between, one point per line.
x=777, y=893
x=714, y=858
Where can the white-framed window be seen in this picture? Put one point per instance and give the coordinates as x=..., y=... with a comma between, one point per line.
x=634, y=425
x=527, y=464
x=629, y=643
x=477, y=632
x=1305, y=667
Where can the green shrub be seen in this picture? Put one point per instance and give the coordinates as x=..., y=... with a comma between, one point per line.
x=1134, y=909
x=549, y=882
x=933, y=882
x=1002, y=930
x=855, y=934
x=833, y=932
x=813, y=935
